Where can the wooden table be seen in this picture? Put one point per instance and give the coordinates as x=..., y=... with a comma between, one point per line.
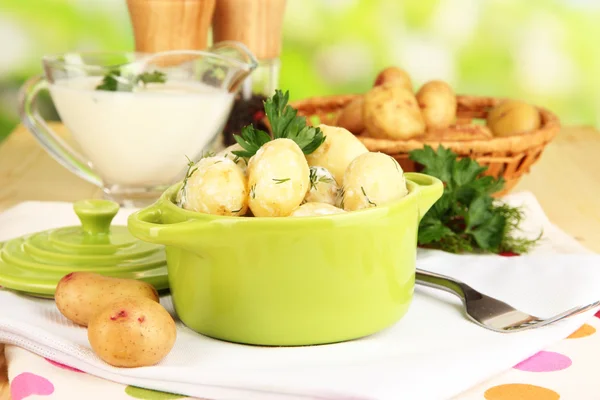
x=566, y=182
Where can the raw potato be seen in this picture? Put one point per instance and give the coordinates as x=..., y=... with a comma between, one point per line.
x=392, y=112
x=371, y=180
x=323, y=187
x=438, y=104
x=132, y=332
x=278, y=178
x=218, y=187
x=337, y=151
x=351, y=117
x=396, y=76
x=241, y=162
x=80, y=295
x=513, y=117
x=315, y=209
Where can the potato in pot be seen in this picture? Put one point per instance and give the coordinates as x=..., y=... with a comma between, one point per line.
x=278, y=178
x=392, y=112
x=337, y=151
x=80, y=295
x=217, y=186
x=228, y=153
x=314, y=209
x=438, y=104
x=371, y=180
x=132, y=332
x=323, y=187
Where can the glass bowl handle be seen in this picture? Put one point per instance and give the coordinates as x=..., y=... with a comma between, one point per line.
x=48, y=139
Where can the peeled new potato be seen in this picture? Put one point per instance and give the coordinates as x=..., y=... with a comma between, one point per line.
x=278, y=178
x=323, y=187
x=315, y=209
x=513, y=117
x=396, y=76
x=218, y=187
x=80, y=295
x=438, y=104
x=351, y=116
x=391, y=112
x=228, y=153
x=132, y=332
x=337, y=151
x=371, y=180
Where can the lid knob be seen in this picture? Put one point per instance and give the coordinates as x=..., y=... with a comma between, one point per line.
x=96, y=215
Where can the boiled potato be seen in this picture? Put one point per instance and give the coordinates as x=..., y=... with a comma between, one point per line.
x=132, y=332
x=351, y=117
x=513, y=117
x=392, y=112
x=228, y=153
x=337, y=151
x=218, y=186
x=278, y=177
x=80, y=295
x=438, y=104
x=371, y=180
x=396, y=76
x=314, y=209
x=323, y=187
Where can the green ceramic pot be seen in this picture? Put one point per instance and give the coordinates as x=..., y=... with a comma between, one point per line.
x=290, y=281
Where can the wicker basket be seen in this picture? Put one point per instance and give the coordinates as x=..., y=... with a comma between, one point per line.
x=510, y=157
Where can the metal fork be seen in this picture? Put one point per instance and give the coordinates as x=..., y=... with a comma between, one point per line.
x=488, y=312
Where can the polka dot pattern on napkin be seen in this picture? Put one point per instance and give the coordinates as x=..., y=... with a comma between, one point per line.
x=147, y=394
x=521, y=391
x=545, y=361
x=27, y=384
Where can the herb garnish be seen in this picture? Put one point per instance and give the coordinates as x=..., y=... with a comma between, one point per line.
x=279, y=181
x=367, y=197
x=114, y=81
x=314, y=179
x=285, y=123
x=466, y=218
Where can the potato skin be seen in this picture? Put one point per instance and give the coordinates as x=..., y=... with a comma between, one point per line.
x=278, y=178
x=392, y=112
x=438, y=104
x=218, y=187
x=396, y=76
x=132, y=332
x=227, y=153
x=372, y=179
x=80, y=295
x=513, y=117
x=337, y=151
x=351, y=117
x=314, y=209
x=323, y=187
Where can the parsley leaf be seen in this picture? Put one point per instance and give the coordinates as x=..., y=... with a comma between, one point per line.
x=466, y=218
x=115, y=81
x=285, y=123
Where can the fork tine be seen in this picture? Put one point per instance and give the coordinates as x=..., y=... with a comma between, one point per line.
x=538, y=323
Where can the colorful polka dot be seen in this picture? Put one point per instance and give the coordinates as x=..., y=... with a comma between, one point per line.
x=63, y=366
x=28, y=384
x=597, y=314
x=544, y=361
x=147, y=394
x=521, y=391
x=583, y=331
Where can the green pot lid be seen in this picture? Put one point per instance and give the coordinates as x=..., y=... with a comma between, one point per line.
x=35, y=263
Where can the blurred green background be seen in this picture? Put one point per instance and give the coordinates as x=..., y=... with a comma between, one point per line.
x=543, y=51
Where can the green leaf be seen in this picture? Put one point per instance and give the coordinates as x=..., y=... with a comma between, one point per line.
x=489, y=234
x=439, y=164
x=466, y=171
x=432, y=230
x=479, y=212
x=151, y=77
x=251, y=140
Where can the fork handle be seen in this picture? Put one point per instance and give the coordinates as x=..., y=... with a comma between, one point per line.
x=445, y=283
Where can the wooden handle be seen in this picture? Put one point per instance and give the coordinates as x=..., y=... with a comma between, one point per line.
x=256, y=23
x=161, y=25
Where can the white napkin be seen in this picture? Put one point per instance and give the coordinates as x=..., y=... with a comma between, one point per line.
x=434, y=352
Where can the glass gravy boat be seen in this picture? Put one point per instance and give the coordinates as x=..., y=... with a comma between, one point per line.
x=136, y=116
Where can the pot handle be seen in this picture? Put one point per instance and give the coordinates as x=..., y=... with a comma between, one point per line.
x=429, y=188
x=146, y=225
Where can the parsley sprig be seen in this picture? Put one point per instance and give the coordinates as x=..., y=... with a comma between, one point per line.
x=285, y=123
x=467, y=218
x=115, y=81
